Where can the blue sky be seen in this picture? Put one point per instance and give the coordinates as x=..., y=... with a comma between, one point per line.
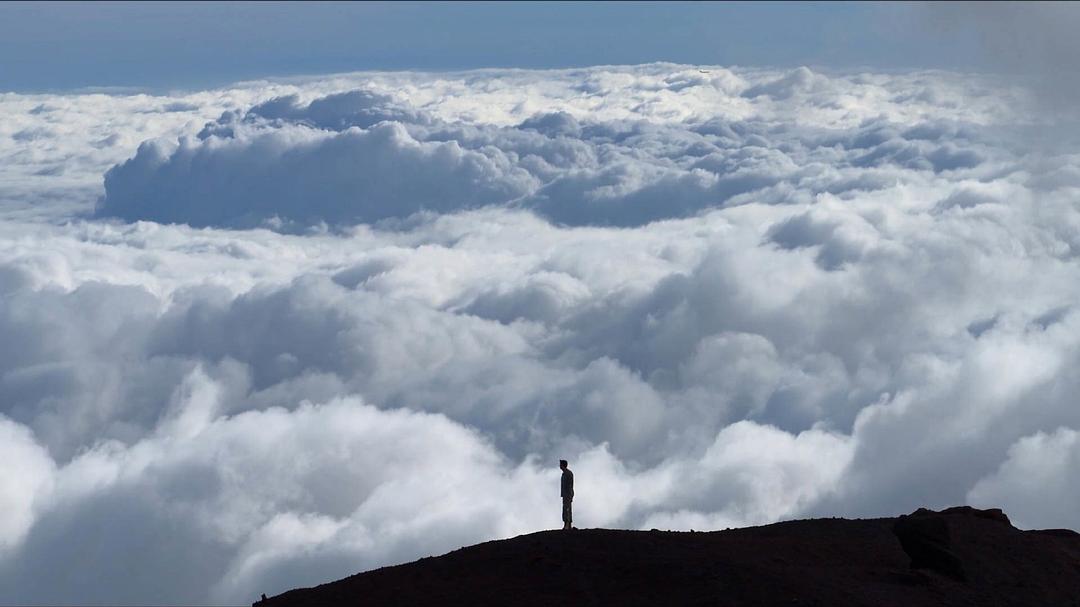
x=50, y=46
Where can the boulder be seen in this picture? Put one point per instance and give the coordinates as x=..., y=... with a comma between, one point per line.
x=924, y=536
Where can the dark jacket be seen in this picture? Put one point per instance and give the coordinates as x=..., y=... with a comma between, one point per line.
x=567, y=484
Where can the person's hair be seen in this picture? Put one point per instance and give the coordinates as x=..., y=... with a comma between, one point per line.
x=562, y=463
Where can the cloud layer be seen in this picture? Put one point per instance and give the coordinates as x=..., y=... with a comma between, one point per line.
x=316, y=326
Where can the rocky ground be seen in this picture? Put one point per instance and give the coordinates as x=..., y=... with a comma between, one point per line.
x=960, y=556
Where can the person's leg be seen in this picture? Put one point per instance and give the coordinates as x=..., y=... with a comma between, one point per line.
x=566, y=514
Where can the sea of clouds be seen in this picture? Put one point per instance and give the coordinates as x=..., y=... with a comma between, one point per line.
x=273, y=334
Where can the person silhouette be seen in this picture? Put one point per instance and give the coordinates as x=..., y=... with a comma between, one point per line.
x=567, y=495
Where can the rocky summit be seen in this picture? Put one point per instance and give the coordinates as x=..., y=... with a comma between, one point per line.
x=958, y=556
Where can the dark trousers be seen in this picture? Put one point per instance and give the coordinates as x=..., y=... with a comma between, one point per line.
x=567, y=511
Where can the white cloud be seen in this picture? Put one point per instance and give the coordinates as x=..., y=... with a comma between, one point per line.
x=272, y=499
x=726, y=298
x=1036, y=481
x=301, y=175
x=24, y=480
x=365, y=155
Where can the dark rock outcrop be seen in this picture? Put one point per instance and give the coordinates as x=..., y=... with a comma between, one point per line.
x=959, y=556
x=924, y=536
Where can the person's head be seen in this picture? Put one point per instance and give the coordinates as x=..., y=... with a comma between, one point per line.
x=562, y=464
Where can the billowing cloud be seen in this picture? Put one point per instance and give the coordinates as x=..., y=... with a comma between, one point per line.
x=1029, y=481
x=273, y=334
x=307, y=176
x=364, y=155
x=23, y=482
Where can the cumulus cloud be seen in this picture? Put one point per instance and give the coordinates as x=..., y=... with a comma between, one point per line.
x=22, y=483
x=365, y=155
x=273, y=334
x=306, y=176
x=1030, y=480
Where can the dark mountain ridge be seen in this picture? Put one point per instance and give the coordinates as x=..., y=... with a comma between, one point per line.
x=959, y=556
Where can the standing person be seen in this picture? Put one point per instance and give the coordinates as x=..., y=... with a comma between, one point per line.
x=567, y=495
